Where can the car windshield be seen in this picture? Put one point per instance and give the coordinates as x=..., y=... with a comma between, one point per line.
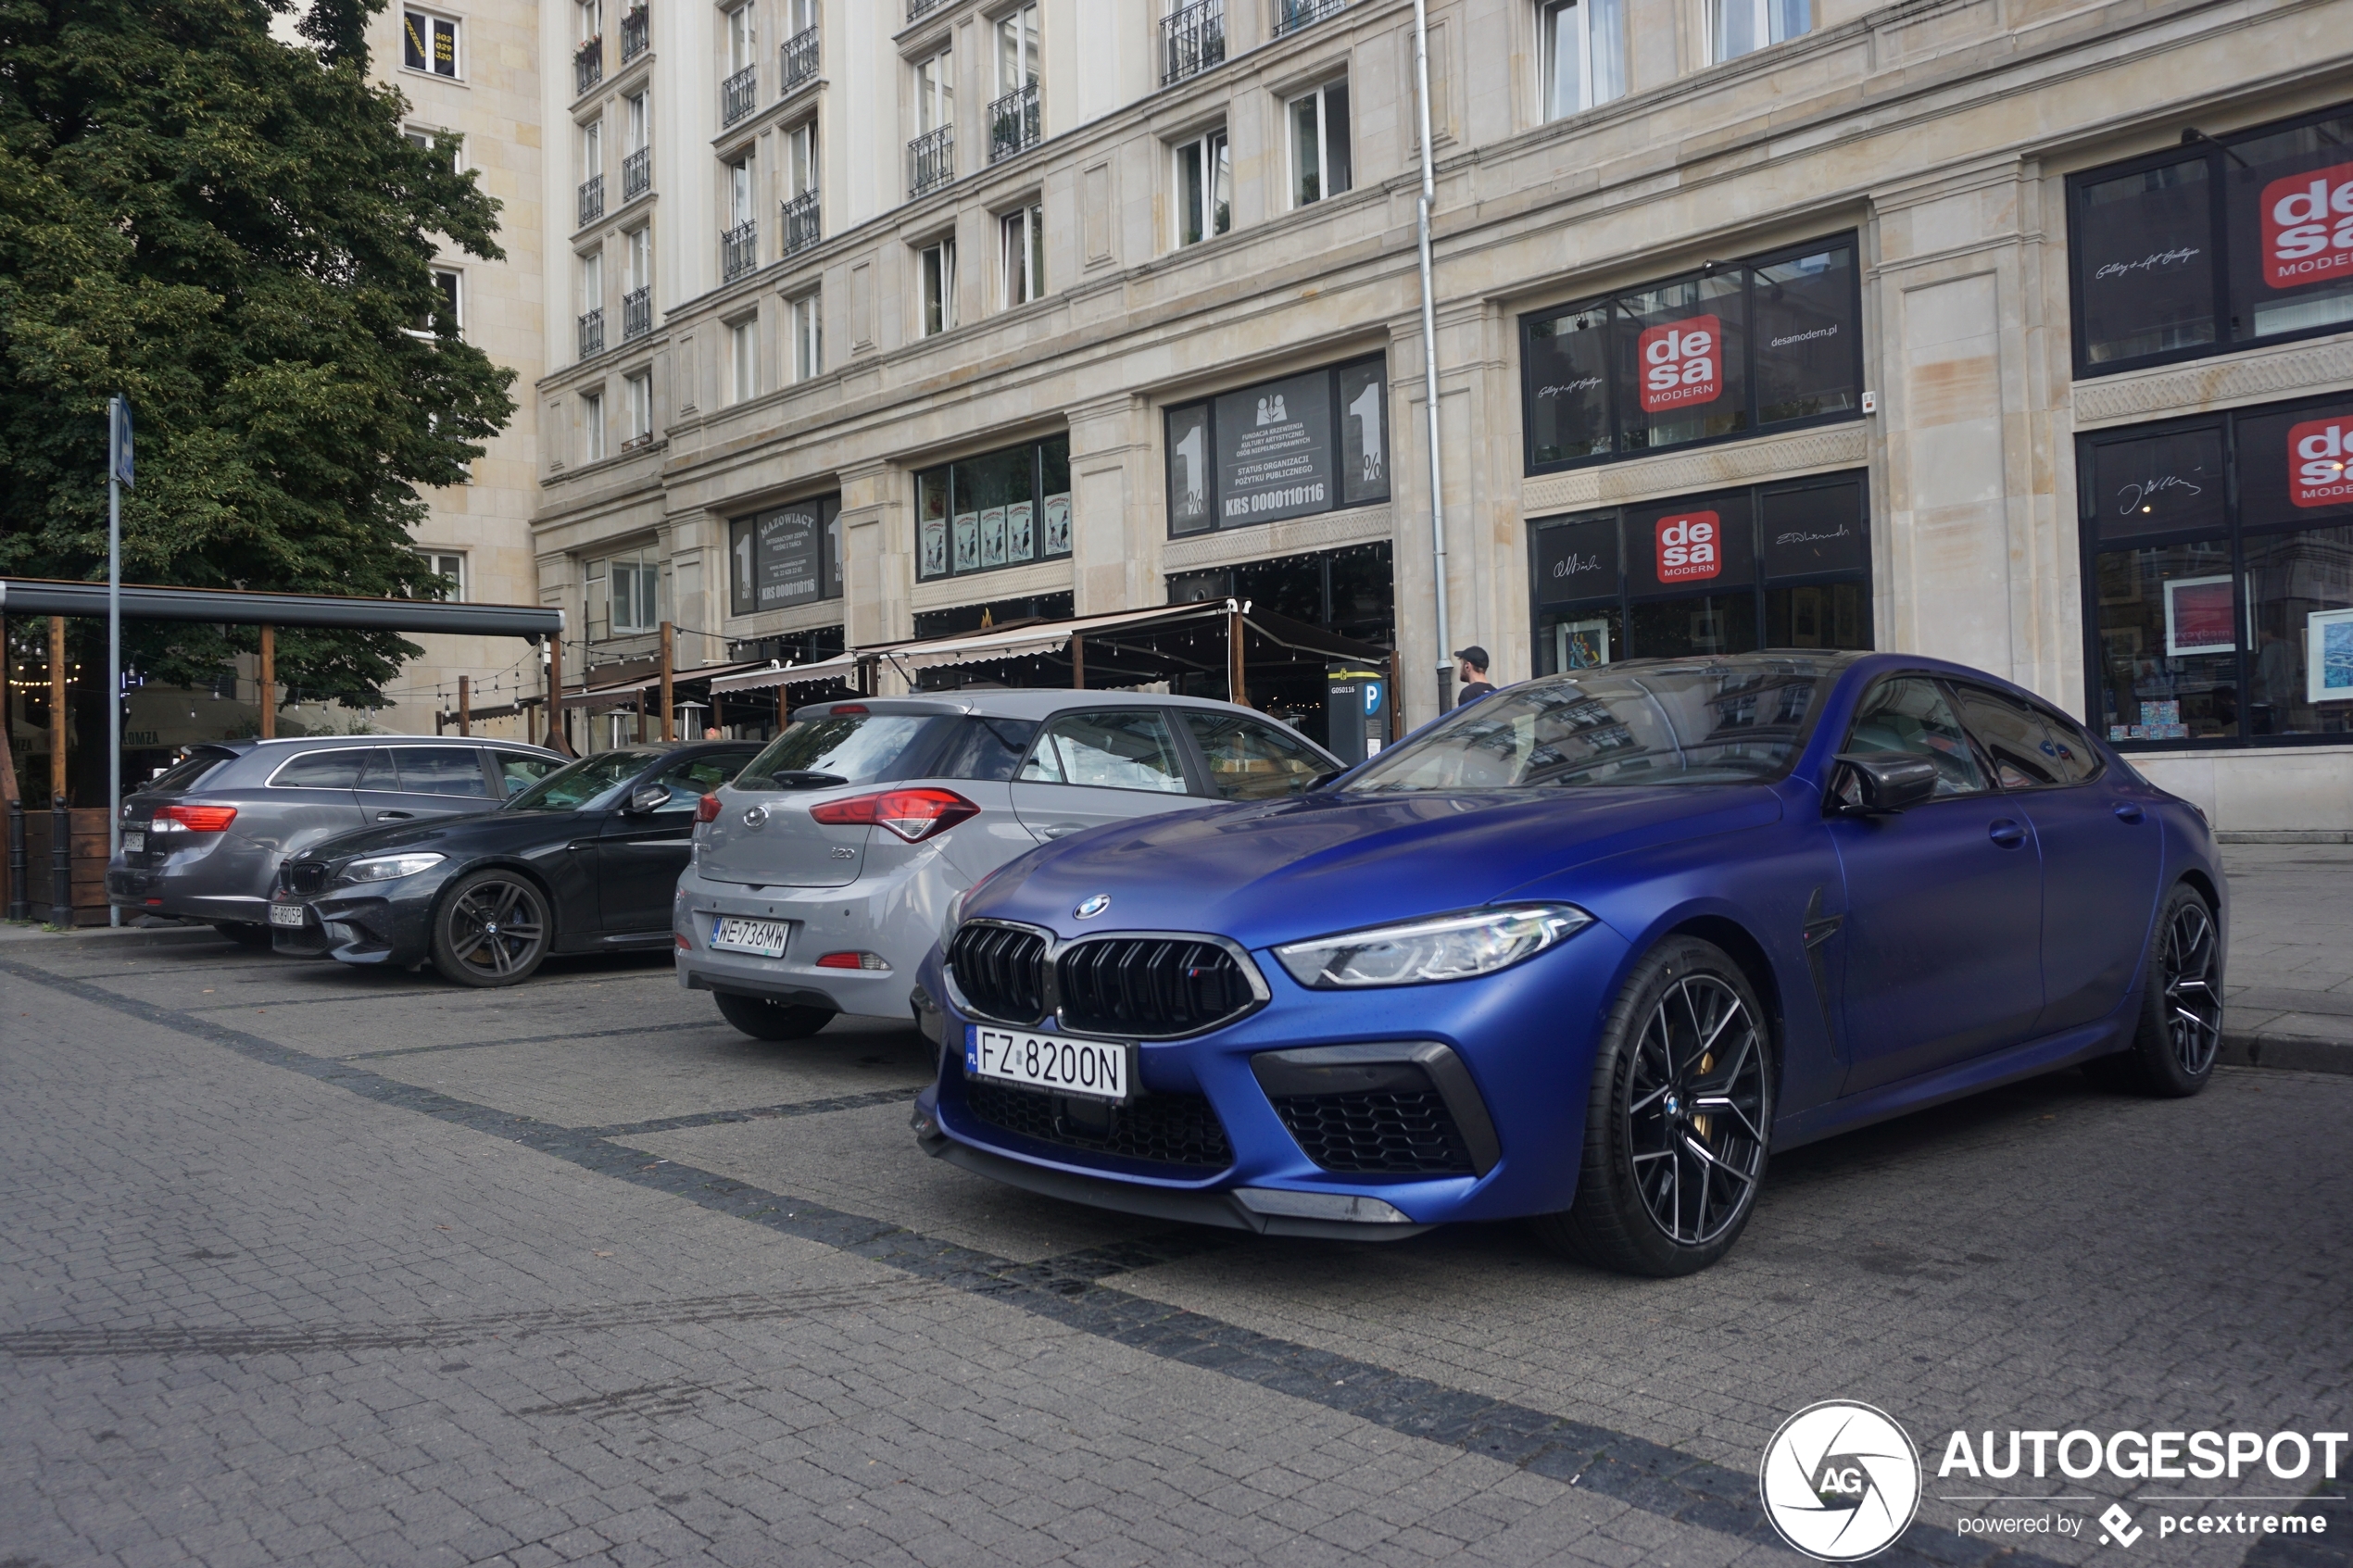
x=854, y=748
x=1667, y=724
x=571, y=787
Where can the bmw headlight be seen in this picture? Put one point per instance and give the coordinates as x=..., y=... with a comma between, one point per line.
x=389, y=868
x=1441, y=947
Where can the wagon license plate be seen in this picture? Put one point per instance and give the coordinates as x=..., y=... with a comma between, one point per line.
x=134, y=843
x=1095, y=1068
x=295, y=915
x=732, y=933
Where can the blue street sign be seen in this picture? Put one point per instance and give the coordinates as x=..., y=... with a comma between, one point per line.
x=1372, y=698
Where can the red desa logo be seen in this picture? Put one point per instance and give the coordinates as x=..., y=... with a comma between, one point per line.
x=1691, y=546
x=2319, y=454
x=1683, y=363
x=2308, y=227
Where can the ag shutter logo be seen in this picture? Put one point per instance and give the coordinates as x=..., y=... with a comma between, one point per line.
x=1683, y=363
x=1841, y=1481
x=2317, y=457
x=1691, y=546
x=2308, y=227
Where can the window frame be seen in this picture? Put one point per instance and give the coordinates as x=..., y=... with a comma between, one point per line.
x=1021, y=251
x=1034, y=451
x=1320, y=95
x=637, y=407
x=1028, y=47
x=592, y=446
x=445, y=563
x=1591, y=23
x=935, y=75
x=936, y=287
x=1217, y=175
x=435, y=19
x=805, y=316
x=641, y=567
x=739, y=36
x=1764, y=15
x=743, y=358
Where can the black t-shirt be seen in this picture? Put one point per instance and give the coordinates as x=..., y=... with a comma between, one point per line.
x=1473, y=691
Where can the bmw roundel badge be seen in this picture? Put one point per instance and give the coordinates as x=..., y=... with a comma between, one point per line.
x=1095, y=904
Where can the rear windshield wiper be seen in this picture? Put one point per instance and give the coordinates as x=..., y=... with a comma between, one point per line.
x=802, y=778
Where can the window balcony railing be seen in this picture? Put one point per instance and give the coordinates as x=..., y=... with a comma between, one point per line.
x=739, y=250
x=637, y=33
x=931, y=160
x=592, y=332
x=1292, y=15
x=592, y=199
x=587, y=65
x=636, y=174
x=919, y=7
x=636, y=313
x=1192, y=40
x=800, y=59
x=739, y=94
x=801, y=227
x=1016, y=122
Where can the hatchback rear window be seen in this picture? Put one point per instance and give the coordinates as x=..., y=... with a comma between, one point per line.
x=185, y=773
x=852, y=749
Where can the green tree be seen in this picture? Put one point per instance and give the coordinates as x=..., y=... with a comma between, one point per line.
x=231, y=229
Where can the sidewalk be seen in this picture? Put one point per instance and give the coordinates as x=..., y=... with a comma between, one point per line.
x=2288, y=991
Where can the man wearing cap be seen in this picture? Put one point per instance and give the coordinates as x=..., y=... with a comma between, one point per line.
x=1471, y=670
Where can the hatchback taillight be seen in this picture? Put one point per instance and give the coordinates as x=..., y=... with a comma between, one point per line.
x=912, y=814
x=192, y=818
x=706, y=808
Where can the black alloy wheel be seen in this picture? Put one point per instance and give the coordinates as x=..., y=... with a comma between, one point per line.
x=491, y=929
x=2180, y=1031
x=765, y=1020
x=1679, y=1122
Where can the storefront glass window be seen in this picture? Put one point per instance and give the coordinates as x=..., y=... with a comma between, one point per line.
x=1001, y=508
x=2146, y=275
x=1311, y=442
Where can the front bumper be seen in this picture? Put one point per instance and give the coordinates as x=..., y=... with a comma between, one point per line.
x=387, y=924
x=1510, y=1055
x=895, y=916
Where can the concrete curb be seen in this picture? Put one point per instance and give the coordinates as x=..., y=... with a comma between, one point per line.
x=2286, y=1053
x=124, y=935
x=2283, y=835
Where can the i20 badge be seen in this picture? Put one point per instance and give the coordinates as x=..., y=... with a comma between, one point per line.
x=1093, y=905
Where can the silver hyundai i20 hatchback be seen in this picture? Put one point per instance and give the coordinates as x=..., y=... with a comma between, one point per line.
x=822, y=875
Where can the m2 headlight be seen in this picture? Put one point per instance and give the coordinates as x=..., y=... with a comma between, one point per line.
x=1441, y=948
x=389, y=868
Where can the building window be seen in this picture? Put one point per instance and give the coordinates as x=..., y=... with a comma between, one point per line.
x=1204, y=188
x=592, y=172
x=1319, y=157
x=591, y=304
x=1311, y=442
x=788, y=556
x=803, y=224
x=1003, y=509
x=450, y=286
x=743, y=359
x=808, y=337
x=589, y=44
x=2204, y=250
x=638, y=282
x=636, y=158
x=447, y=142
x=449, y=565
x=1779, y=566
x=936, y=92
x=740, y=91
x=936, y=265
x=1743, y=27
x=429, y=42
x=1025, y=255
x=638, y=407
x=739, y=241
x=2220, y=613
x=635, y=585
x=1583, y=53
x=1767, y=343
x=592, y=427
x=1017, y=48
x=1015, y=116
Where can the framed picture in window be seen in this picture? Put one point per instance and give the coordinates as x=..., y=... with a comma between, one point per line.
x=2199, y=617
x=2328, y=656
x=1582, y=644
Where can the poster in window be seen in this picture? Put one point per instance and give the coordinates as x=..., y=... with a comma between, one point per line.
x=1701, y=543
x=2290, y=205
x=1058, y=524
x=1582, y=644
x=967, y=541
x=2144, y=262
x=1190, y=502
x=1567, y=392
x=1274, y=450
x=1804, y=314
x=742, y=565
x=833, y=548
x=1681, y=352
x=2199, y=617
x=1821, y=528
x=2328, y=656
x=790, y=555
x=2296, y=467
x=992, y=537
x=1021, y=537
x=416, y=39
x=1364, y=434
x=1577, y=560
x=931, y=523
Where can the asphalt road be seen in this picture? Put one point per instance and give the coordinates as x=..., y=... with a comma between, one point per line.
x=305, y=1265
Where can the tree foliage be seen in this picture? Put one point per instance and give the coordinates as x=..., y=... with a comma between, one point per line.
x=231, y=228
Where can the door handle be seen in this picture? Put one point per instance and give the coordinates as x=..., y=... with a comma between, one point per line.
x=2006, y=833
x=394, y=816
x=1061, y=830
x=582, y=844
x=2128, y=812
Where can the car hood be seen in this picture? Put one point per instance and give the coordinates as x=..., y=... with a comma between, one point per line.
x=474, y=834
x=1278, y=871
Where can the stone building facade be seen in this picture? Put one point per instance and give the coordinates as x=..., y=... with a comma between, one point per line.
x=896, y=310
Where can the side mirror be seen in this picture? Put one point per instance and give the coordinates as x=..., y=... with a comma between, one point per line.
x=1869, y=783
x=648, y=797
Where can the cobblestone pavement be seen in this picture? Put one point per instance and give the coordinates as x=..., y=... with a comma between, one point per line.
x=306, y=1265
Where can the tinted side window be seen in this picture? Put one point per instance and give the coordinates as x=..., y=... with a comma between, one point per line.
x=689, y=779
x=1909, y=715
x=379, y=772
x=518, y=771
x=1253, y=761
x=2077, y=758
x=2023, y=754
x=338, y=769
x=1108, y=750
x=441, y=770
x=986, y=749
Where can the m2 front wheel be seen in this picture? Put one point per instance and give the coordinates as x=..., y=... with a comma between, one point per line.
x=492, y=929
x=1678, y=1120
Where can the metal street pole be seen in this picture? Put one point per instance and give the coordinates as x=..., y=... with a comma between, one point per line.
x=1430, y=352
x=119, y=473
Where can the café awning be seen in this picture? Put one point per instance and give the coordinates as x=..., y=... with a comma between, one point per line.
x=237, y=607
x=841, y=667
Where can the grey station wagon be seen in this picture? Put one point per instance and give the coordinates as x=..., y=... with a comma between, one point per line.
x=203, y=839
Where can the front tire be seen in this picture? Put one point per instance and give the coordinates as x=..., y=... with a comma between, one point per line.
x=492, y=928
x=1678, y=1122
x=2180, y=1034
x=764, y=1020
